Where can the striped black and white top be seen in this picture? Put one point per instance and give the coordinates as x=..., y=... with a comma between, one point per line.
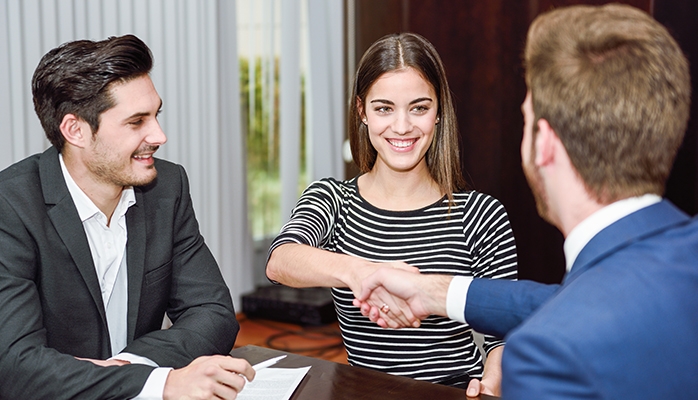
x=473, y=238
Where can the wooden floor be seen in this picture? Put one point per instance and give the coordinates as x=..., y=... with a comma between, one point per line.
x=323, y=342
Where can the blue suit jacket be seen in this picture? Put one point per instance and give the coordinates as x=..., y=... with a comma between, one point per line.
x=623, y=324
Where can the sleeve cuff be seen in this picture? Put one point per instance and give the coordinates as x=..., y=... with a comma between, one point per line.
x=456, y=296
x=155, y=385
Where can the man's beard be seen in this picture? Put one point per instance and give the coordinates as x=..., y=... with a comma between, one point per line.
x=108, y=168
x=535, y=182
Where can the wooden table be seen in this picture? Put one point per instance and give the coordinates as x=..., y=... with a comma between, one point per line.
x=333, y=381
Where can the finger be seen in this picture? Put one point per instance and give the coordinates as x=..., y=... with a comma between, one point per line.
x=228, y=382
x=395, y=309
x=489, y=387
x=391, y=323
x=473, y=388
x=223, y=391
x=238, y=366
x=396, y=320
x=387, y=322
x=390, y=318
x=237, y=384
x=364, y=307
x=382, y=323
x=374, y=314
x=358, y=304
x=408, y=318
x=105, y=363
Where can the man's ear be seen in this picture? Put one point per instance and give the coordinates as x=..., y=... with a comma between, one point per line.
x=546, y=141
x=74, y=130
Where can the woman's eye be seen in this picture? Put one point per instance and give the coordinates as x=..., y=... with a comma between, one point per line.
x=383, y=110
x=420, y=109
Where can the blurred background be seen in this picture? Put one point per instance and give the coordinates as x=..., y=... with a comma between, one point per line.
x=255, y=95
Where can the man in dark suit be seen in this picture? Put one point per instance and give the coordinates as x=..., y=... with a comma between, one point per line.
x=99, y=242
x=605, y=113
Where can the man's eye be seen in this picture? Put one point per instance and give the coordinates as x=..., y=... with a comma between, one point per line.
x=136, y=123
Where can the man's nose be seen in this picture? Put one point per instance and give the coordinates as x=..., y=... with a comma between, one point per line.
x=157, y=135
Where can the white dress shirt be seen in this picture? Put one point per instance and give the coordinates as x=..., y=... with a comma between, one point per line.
x=107, y=241
x=574, y=243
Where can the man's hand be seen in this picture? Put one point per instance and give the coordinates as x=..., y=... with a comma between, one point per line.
x=491, y=378
x=208, y=377
x=409, y=297
x=477, y=387
x=105, y=363
x=357, y=276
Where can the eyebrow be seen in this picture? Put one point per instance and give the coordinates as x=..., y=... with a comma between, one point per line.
x=418, y=100
x=143, y=114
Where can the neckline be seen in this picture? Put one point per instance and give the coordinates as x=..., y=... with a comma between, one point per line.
x=354, y=182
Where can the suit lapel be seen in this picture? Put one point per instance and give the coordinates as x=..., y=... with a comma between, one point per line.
x=66, y=221
x=639, y=225
x=135, y=259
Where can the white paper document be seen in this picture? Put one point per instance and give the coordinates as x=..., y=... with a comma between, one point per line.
x=273, y=384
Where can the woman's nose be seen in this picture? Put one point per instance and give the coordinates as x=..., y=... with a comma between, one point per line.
x=402, y=124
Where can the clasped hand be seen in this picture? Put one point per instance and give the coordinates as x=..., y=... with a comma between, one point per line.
x=398, y=298
x=405, y=294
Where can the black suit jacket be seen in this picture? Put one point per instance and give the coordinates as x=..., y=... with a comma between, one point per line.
x=51, y=307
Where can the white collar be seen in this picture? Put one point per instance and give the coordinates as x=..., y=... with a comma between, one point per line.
x=85, y=206
x=596, y=222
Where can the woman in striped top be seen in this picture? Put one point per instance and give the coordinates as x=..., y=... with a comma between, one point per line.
x=409, y=209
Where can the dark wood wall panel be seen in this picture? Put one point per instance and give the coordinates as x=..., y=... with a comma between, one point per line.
x=481, y=48
x=681, y=18
x=481, y=43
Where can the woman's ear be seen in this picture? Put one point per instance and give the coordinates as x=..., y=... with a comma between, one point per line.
x=74, y=130
x=360, y=110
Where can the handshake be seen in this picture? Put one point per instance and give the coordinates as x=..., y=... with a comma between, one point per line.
x=399, y=296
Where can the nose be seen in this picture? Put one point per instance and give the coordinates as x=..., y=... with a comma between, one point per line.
x=402, y=123
x=157, y=136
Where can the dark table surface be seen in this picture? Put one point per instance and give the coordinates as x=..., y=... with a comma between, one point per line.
x=329, y=380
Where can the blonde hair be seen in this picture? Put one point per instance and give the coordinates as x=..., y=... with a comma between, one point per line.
x=615, y=87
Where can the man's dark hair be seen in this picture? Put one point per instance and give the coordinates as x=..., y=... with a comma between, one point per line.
x=76, y=78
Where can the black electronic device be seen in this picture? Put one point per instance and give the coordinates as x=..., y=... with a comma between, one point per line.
x=307, y=306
